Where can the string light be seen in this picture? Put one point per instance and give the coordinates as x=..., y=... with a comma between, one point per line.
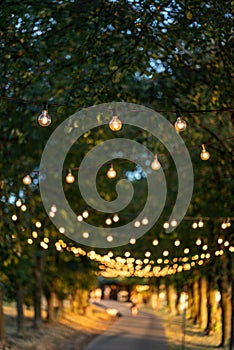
x=180, y=124
x=70, y=178
x=200, y=223
x=205, y=155
x=115, y=123
x=27, y=180
x=155, y=165
x=111, y=174
x=44, y=118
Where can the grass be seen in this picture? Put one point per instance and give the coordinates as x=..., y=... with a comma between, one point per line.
x=72, y=331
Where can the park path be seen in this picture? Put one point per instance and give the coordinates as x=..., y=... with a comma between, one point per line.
x=144, y=331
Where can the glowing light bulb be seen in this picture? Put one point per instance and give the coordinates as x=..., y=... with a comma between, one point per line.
x=205, y=155
x=115, y=218
x=27, y=180
x=155, y=242
x=180, y=124
x=224, y=225
x=173, y=223
x=166, y=225
x=108, y=221
x=111, y=174
x=18, y=203
x=115, y=123
x=44, y=118
x=85, y=214
x=194, y=225
x=200, y=223
x=155, y=165
x=70, y=178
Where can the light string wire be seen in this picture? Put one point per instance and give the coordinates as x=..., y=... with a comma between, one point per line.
x=54, y=104
x=158, y=154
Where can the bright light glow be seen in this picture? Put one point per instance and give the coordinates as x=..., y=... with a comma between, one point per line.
x=30, y=241
x=200, y=223
x=180, y=124
x=147, y=254
x=70, y=178
x=85, y=234
x=80, y=218
x=14, y=217
x=23, y=207
x=38, y=224
x=166, y=225
x=34, y=234
x=115, y=218
x=115, y=123
x=173, y=223
x=44, y=118
x=155, y=165
x=194, y=225
x=132, y=241
x=137, y=223
x=111, y=173
x=198, y=241
x=18, y=203
x=109, y=238
x=61, y=229
x=145, y=221
x=85, y=214
x=205, y=155
x=165, y=253
x=186, y=250
x=155, y=242
x=108, y=221
x=177, y=243
x=27, y=180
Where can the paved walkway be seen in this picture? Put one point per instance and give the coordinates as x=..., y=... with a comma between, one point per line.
x=144, y=331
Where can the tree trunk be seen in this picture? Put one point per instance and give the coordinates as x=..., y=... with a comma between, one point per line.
x=20, y=308
x=37, y=293
x=196, y=302
x=203, y=303
x=211, y=307
x=171, y=299
x=178, y=303
x=226, y=308
x=50, y=297
x=2, y=323
x=190, y=308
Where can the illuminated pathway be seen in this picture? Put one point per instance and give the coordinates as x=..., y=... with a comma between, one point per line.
x=145, y=331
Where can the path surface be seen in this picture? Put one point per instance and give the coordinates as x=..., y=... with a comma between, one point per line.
x=145, y=331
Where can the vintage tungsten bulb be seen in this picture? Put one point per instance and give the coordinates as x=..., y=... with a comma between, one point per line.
x=115, y=123
x=205, y=155
x=166, y=225
x=44, y=118
x=180, y=124
x=111, y=174
x=27, y=180
x=155, y=165
x=200, y=223
x=194, y=225
x=70, y=178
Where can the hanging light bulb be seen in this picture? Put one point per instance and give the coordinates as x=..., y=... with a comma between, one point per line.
x=115, y=123
x=44, y=118
x=205, y=155
x=70, y=178
x=180, y=124
x=155, y=165
x=27, y=180
x=200, y=223
x=111, y=174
